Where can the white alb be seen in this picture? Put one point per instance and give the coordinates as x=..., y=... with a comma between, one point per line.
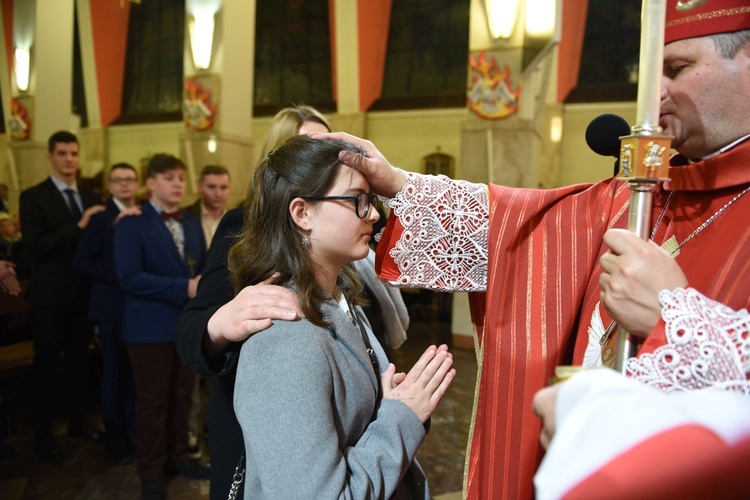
x=446, y=232
x=708, y=346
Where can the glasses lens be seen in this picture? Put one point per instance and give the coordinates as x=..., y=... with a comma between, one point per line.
x=363, y=205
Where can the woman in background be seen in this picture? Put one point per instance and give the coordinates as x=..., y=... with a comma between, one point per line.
x=300, y=119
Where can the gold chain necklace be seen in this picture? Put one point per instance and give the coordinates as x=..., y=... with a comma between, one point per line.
x=671, y=245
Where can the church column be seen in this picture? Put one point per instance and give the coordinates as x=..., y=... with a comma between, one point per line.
x=511, y=137
x=346, y=63
x=8, y=169
x=45, y=28
x=103, y=35
x=218, y=107
x=508, y=137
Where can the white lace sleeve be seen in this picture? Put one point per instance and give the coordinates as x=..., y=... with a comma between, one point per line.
x=708, y=346
x=446, y=230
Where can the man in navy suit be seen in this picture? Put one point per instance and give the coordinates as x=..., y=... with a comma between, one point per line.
x=158, y=255
x=53, y=215
x=95, y=258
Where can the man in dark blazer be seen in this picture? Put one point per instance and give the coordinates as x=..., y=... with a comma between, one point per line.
x=158, y=257
x=214, y=187
x=53, y=215
x=95, y=259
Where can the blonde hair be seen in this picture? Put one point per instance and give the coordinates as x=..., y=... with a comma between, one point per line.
x=287, y=123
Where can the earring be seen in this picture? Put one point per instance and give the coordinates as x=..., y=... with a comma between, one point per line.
x=305, y=241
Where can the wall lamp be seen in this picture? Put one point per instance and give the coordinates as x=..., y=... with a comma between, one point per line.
x=22, y=68
x=501, y=16
x=201, y=29
x=541, y=18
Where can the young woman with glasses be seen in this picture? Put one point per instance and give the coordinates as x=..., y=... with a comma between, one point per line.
x=323, y=413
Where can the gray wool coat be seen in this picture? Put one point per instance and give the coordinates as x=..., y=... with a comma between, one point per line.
x=313, y=424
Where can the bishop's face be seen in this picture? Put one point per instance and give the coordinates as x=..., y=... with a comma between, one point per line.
x=705, y=98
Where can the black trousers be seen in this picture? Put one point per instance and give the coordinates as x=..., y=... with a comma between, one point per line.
x=60, y=330
x=118, y=389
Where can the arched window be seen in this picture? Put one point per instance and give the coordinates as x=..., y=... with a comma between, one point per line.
x=292, y=55
x=609, y=61
x=428, y=50
x=153, y=66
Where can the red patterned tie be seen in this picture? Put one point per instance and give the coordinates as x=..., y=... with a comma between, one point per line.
x=171, y=215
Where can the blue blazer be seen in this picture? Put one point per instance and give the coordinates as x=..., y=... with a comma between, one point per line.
x=152, y=275
x=95, y=258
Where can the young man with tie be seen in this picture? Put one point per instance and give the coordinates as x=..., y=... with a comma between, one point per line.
x=158, y=256
x=53, y=215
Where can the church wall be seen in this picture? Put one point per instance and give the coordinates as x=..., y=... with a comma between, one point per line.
x=403, y=136
x=578, y=162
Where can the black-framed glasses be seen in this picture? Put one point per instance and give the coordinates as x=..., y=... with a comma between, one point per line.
x=122, y=180
x=362, y=202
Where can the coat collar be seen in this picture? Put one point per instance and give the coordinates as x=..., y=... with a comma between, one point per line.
x=347, y=331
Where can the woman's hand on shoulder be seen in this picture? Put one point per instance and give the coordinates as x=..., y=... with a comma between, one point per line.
x=249, y=312
x=423, y=388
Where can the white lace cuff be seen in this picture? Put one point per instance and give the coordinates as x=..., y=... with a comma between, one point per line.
x=446, y=228
x=708, y=346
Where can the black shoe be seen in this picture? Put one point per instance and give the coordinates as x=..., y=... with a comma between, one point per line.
x=86, y=431
x=192, y=470
x=152, y=489
x=119, y=451
x=46, y=449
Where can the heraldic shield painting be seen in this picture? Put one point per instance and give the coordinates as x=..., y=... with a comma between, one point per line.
x=492, y=93
x=200, y=103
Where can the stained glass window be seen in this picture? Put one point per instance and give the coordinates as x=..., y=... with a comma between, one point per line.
x=154, y=62
x=292, y=55
x=428, y=49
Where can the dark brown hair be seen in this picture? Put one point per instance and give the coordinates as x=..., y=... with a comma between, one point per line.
x=214, y=170
x=271, y=241
x=62, y=136
x=122, y=166
x=161, y=162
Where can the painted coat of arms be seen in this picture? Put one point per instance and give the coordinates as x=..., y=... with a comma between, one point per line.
x=490, y=93
x=199, y=104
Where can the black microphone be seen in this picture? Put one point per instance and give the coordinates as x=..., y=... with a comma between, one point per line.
x=603, y=135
